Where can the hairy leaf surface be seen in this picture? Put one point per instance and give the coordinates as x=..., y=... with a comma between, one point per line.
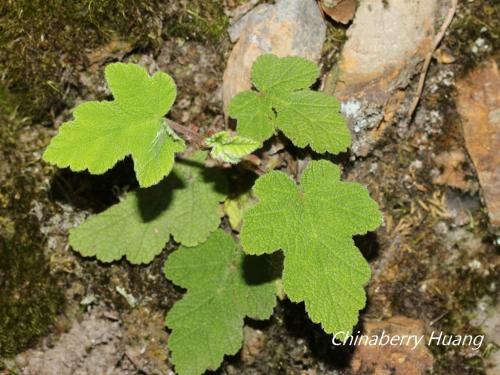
x=194, y=210
x=185, y=206
x=102, y=133
x=313, y=224
x=284, y=102
x=223, y=286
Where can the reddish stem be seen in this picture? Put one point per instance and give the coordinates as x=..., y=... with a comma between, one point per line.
x=192, y=135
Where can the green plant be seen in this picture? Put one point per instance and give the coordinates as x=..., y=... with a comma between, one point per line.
x=312, y=223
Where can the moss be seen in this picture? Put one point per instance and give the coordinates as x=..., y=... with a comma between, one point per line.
x=202, y=20
x=42, y=43
x=29, y=301
x=28, y=293
x=29, y=296
x=474, y=20
x=334, y=41
x=4, y=100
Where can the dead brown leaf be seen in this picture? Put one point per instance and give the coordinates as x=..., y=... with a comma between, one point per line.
x=452, y=173
x=443, y=56
x=339, y=10
x=115, y=49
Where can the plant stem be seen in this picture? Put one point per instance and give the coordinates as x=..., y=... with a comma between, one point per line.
x=188, y=134
x=185, y=131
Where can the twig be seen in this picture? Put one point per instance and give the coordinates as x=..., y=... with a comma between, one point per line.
x=428, y=59
x=184, y=130
x=134, y=362
x=248, y=164
x=435, y=320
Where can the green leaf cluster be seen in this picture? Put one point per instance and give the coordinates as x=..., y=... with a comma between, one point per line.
x=285, y=102
x=313, y=222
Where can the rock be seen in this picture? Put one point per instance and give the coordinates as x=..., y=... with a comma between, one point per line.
x=255, y=341
x=290, y=27
x=486, y=317
x=393, y=359
x=493, y=363
x=385, y=44
x=461, y=207
x=90, y=347
x=478, y=103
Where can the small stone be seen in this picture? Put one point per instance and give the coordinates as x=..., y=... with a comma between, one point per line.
x=393, y=359
x=480, y=42
x=255, y=341
x=444, y=57
x=486, y=318
x=441, y=228
x=493, y=363
x=475, y=265
x=461, y=207
x=290, y=27
x=89, y=299
x=416, y=164
x=478, y=103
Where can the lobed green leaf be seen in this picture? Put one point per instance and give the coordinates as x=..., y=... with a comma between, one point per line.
x=102, y=133
x=185, y=206
x=284, y=102
x=223, y=287
x=313, y=224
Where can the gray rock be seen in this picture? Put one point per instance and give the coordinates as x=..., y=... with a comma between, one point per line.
x=290, y=27
x=90, y=347
x=385, y=44
x=487, y=318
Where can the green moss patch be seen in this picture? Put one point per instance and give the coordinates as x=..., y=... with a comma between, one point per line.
x=29, y=295
x=474, y=33
x=27, y=291
x=43, y=42
x=202, y=20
